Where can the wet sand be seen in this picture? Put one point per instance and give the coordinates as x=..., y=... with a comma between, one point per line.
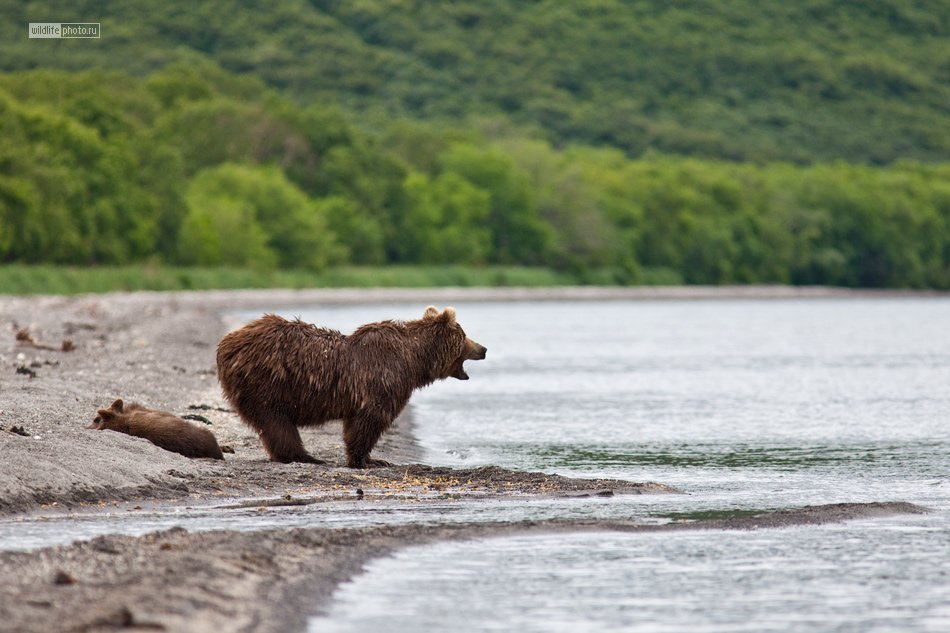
x=76, y=354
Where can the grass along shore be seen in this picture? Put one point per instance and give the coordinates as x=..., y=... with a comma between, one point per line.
x=21, y=279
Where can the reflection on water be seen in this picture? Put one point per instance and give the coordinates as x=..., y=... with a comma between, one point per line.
x=791, y=458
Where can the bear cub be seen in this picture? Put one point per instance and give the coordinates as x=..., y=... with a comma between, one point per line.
x=279, y=375
x=161, y=428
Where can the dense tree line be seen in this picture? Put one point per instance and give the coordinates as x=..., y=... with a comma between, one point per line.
x=867, y=81
x=195, y=165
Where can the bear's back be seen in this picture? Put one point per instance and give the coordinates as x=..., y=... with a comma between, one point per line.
x=279, y=359
x=271, y=340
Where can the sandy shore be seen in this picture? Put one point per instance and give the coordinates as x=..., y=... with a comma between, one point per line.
x=158, y=348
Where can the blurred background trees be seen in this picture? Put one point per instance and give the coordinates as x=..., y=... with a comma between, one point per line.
x=621, y=142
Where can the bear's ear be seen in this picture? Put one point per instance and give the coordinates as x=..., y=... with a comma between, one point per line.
x=117, y=406
x=106, y=414
x=431, y=311
x=449, y=315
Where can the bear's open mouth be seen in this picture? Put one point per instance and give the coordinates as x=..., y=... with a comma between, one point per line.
x=473, y=351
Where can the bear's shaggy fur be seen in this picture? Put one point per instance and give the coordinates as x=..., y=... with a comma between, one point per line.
x=280, y=375
x=161, y=428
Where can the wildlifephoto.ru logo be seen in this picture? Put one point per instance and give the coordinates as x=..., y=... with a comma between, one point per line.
x=64, y=30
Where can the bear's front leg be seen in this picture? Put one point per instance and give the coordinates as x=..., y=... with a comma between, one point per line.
x=360, y=435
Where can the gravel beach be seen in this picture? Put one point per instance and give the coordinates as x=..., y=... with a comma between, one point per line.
x=61, y=358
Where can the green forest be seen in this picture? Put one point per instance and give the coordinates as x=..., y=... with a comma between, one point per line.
x=607, y=142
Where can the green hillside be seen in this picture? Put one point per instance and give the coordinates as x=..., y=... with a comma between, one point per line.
x=733, y=142
x=813, y=80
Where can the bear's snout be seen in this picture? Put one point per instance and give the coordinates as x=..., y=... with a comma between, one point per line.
x=474, y=351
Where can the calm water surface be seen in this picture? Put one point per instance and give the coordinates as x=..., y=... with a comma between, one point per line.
x=743, y=404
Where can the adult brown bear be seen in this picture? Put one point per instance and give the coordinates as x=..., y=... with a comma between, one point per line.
x=280, y=375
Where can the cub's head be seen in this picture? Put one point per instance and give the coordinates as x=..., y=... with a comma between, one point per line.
x=107, y=418
x=455, y=346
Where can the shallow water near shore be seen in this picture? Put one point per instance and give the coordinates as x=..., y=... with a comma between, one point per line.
x=858, y=577
x=742, y=404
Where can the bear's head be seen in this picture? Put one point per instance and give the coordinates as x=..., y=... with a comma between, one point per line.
x=107, y=418
x=459, y=348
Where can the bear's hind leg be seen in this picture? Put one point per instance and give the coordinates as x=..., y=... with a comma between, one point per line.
x=277, y=431
x=282, y=442
x=360, y=435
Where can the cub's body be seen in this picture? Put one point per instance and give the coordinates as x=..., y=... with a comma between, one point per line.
x=161, y=428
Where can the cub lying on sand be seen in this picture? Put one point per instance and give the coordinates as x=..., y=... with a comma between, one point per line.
x=281, y=374
x=161, y=428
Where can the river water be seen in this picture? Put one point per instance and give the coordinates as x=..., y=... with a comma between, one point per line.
x=745, y=405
